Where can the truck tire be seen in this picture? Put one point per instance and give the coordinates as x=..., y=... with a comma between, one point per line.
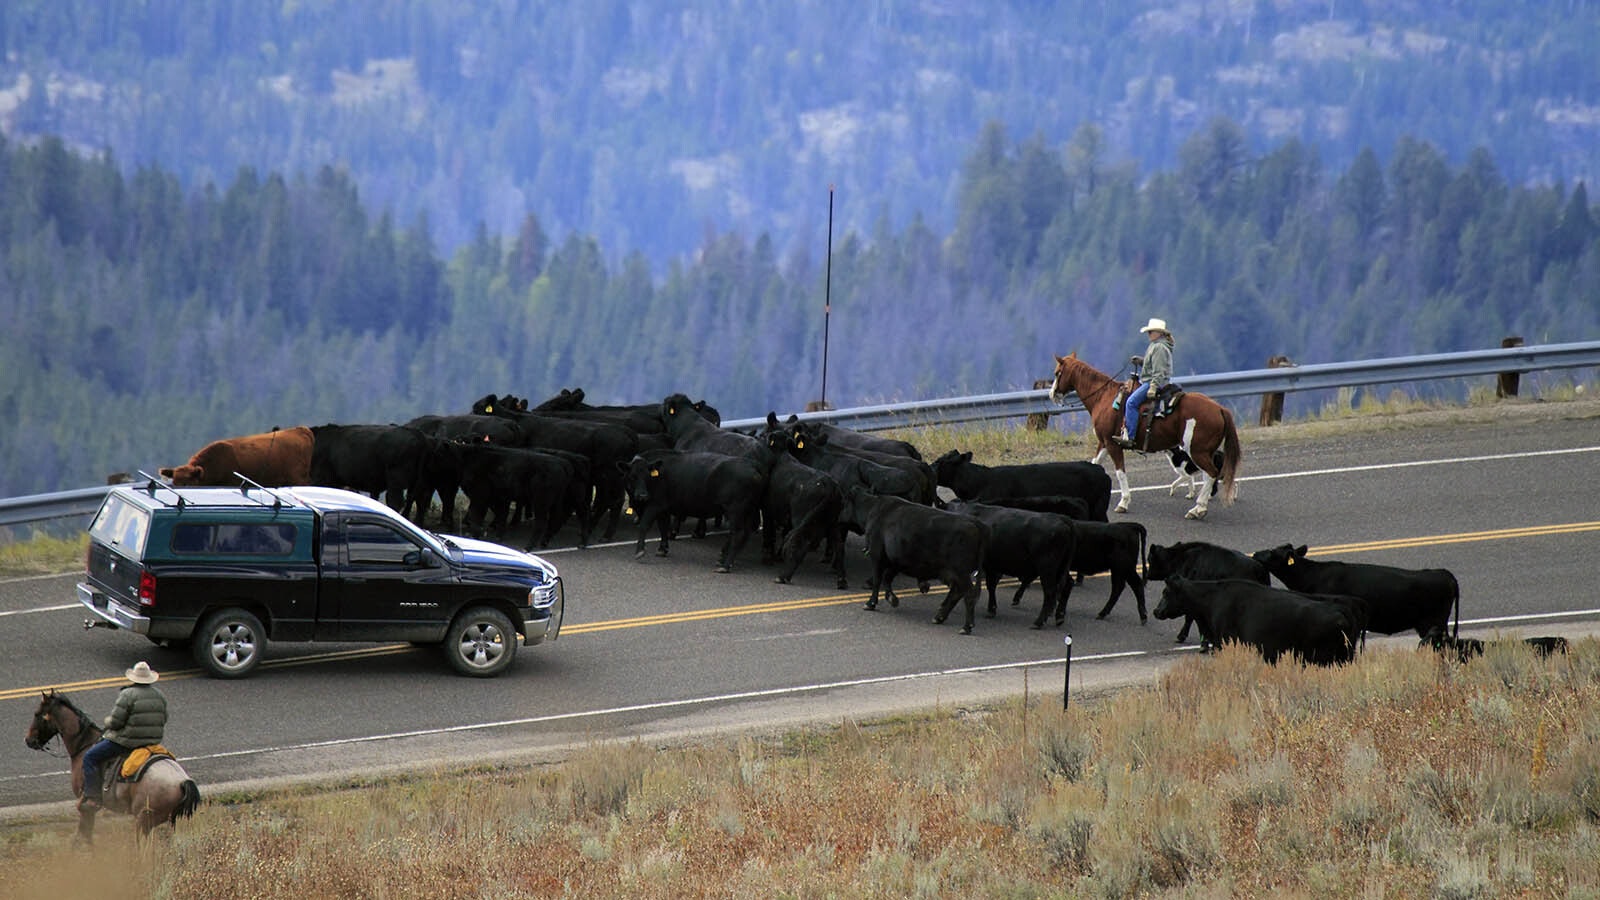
x=229, y=642
x=481, y=642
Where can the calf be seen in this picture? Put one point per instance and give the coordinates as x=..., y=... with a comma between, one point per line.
x=803, y=506
x=1397, y=599
x=1115, y=547
x=921, y=541
x=1464, y=649
x=1323, y=630
x=850, y=439
x=971, y=481
x=1198, y=560
x=667, y=483
x=275, y=458
x=1024, y=544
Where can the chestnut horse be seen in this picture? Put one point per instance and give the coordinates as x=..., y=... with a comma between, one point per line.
x=1198, y=426
x=163, y=792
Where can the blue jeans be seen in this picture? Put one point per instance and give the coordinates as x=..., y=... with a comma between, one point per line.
x=1130, y=413
x=93, y=758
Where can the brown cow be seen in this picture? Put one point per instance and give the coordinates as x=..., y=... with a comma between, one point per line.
x=272, y=459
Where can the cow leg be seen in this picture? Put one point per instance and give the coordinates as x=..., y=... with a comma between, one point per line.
x=991, y=579
x=1117, y=582
x=1022, y=588
x=879, y=570
x=1183, y=633
x=962, y=588
x=738, y=535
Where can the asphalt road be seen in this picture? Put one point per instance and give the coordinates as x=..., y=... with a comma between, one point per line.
x=662, y=649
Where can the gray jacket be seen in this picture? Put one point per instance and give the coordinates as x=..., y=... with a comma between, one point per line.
x=1158, y=363
x=139, y=718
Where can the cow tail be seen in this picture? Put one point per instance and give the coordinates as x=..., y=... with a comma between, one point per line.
x=1455, y=631
x=1144, y=565
x=1230, y=456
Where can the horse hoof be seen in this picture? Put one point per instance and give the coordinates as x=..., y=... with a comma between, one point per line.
x=1122, y=507
x=639, y=555
x=1196, y=513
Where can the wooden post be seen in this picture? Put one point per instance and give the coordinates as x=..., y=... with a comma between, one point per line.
x=1507, y=383
x=1039, y=421
x=1272, y=402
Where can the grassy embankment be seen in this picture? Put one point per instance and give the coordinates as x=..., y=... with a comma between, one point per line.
x=1402, y=775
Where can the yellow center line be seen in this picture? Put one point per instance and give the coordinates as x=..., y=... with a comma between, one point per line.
x=782, y=606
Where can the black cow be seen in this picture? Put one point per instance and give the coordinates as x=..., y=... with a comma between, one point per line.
x=573, y=401
x=816, y=436
x=802, y=506
x=1397, y=599
x=1200, y=561
x=1323, y=630
x=607, y=445
x=971, y=481
x=1071, y=507
x=848, y=438
x=539, y=482
x=667, y=483
x=376, y=459
x=1027, y=545
x=923, y=542
x=1115, y=547
x=691, y=431
x=848, y=469
x=441, y=465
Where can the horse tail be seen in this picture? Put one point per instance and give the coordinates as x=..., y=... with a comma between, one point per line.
x=189, y=802
x=1230, y=455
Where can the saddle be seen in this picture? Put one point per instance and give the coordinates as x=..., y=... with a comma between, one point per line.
x=1162, y=401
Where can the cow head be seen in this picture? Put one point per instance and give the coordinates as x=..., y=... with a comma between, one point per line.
x=946, y=466
x=643, y=475
x=1174, y=599
x=486, y=405
x=1158, y=563
x=185, y=475
x=1280, y=558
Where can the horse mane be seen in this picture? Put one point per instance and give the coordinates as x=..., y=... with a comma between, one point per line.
x=86, y=722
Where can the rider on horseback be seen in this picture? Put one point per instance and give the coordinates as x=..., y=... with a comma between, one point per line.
x=137, y=720
x=1157, y=363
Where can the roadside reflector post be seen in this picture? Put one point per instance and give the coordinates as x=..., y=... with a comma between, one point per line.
x=1066, y=685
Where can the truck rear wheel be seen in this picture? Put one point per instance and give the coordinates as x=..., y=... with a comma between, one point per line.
x=229, y=642
x=481, y=642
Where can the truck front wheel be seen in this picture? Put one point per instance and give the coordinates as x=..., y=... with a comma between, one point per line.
x=481, y=642
x=229, y=642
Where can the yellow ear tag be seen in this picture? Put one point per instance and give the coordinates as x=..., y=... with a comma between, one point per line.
x=655, y=473
x=1290, y=562
x=800, y=445
x=488, y=409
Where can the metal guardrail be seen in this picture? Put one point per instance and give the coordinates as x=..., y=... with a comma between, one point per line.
x=1225, y=385
x=1017, y=404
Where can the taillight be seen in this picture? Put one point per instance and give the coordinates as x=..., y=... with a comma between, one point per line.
x=147, y=588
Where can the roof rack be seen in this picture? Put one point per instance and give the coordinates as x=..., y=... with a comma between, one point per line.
x=246, y=483
x=152, y=483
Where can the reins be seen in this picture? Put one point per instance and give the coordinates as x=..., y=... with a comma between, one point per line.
x=1111, y=381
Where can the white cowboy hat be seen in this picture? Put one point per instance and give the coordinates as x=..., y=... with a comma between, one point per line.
x=1156, y=325
x=141, y=673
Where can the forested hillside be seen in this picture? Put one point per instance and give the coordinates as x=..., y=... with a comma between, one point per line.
x=648, y=125
x=145, y=319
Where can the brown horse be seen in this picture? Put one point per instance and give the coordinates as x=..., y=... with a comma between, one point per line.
x=162, y=793
x=1198, y=426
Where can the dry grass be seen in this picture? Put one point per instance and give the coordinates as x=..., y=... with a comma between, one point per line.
x=1399, y=776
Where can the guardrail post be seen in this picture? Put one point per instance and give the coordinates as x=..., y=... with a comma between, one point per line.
x=1272, y=402
x=1507, y=382
x=1039, y=421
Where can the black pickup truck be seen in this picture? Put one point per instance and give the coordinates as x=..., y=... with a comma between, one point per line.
x=224, y=570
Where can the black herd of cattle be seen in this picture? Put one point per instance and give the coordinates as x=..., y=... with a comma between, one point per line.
x=806, y=485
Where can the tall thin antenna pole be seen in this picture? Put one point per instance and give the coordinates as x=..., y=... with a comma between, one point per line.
x=827, y=300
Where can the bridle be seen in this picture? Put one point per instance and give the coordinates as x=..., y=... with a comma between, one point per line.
x=1113, y=381
x=43, y=722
